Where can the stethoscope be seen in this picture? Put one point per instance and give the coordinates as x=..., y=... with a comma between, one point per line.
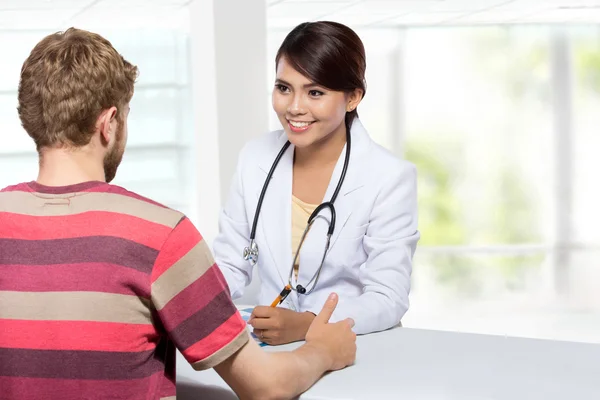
x=251, y=252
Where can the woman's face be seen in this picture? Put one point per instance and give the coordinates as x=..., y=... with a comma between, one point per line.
x=309, y=113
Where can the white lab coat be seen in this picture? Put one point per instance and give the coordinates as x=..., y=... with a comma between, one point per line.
x=369, y=262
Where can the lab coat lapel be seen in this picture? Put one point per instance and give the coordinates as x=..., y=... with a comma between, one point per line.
x=274, y=222
x=314, y=245
x=356, y=178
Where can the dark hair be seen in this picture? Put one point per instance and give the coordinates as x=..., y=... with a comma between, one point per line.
x=329, y=54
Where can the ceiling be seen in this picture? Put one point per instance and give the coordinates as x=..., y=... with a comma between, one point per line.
x=92, y=14
x=284, y=14
x=386, y=13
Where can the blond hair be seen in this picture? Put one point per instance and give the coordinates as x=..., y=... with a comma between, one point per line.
x=66, y=82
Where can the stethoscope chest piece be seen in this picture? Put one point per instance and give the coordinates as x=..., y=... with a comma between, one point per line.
x=251, y=253
x=300, y=289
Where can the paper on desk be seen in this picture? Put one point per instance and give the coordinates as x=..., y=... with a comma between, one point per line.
x=246, y=312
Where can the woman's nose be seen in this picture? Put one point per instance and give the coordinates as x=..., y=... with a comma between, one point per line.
x=296, y=105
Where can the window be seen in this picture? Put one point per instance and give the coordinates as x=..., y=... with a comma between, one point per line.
x=158, y=162
x=501, y=122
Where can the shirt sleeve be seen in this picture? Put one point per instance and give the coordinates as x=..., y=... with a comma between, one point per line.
x=192, y=300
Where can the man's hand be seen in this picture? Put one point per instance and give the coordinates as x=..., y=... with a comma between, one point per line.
x=336, y=340
x=274, y=325
x=257, y=374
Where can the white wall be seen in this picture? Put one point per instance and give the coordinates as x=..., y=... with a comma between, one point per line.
x=229, y=72
x=228, y=47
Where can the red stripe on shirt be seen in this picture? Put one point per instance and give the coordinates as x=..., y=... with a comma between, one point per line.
x=217, y=340
x=20, y=187
x=77, y=389
x=92, y=223
x=191, y=299
x=187, y=237
x=92, y=277
x=77, y=335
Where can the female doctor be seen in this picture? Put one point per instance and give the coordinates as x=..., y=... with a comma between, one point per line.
x=323, y=155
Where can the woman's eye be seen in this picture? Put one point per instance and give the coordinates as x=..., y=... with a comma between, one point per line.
x=315, y=93
x=282, y=88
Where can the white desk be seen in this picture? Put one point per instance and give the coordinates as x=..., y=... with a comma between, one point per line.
x=406, y=363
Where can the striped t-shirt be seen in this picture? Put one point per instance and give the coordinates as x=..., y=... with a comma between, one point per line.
x=98, y=286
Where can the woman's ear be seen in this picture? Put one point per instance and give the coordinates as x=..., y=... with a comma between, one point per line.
x=353, y=99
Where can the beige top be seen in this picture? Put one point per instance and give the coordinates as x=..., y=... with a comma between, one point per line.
x=301, y=211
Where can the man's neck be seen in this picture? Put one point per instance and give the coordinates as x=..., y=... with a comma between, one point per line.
x=64, y=167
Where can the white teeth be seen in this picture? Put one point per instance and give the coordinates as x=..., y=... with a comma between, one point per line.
x=299, y=124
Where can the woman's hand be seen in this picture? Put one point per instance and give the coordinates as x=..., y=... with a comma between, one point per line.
x=275, y=325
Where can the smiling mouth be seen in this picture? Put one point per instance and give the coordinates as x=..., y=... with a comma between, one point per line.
x=300, y=124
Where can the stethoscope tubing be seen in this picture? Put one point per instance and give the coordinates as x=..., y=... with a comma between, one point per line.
x=253, y=249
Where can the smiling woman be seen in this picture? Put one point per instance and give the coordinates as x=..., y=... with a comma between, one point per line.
x=316, y=84
x=323, y=153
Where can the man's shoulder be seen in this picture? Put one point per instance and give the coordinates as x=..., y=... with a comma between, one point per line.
x=105, y=200
x=146, y=208
x=119, y=190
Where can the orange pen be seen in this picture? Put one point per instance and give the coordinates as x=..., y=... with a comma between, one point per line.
x=284, y=293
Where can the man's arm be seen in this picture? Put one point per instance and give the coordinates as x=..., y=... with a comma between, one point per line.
x=193, y=303
x=255, y=374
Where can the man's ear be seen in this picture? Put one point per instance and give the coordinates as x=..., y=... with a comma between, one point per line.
x=105, y=124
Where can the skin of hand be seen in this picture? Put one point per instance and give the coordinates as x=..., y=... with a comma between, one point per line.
x=276, y=325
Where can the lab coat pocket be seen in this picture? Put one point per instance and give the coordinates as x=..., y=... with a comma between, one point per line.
x=353, y=233
x=349, y=250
